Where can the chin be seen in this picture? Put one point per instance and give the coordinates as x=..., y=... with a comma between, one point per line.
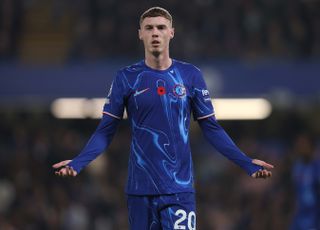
x=156, y=53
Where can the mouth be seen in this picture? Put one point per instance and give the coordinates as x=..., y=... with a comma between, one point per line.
x=155, y=43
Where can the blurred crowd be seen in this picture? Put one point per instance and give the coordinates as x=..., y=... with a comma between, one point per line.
x=204, y=28
x=32, y=197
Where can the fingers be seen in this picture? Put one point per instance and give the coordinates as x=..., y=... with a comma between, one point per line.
x=262, y=163
x=262, y=173
x=61, y=164
x=66, y=172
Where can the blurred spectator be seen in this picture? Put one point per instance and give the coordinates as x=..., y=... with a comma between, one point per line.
x=11, y=13
x=306, y=179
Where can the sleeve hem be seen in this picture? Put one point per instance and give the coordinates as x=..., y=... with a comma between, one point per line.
x=112, y=115
x=74, y=167
x=206, y=116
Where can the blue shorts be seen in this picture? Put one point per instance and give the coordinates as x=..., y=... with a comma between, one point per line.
x=174, y=211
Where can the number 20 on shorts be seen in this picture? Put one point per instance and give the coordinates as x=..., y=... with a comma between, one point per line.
x=191, y=220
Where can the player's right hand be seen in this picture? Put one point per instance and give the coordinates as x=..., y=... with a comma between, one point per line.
x=262, y=173
x=64, y=170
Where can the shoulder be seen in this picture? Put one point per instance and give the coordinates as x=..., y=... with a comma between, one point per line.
x=133, y=68
x=190, y=70
x=129, y=72
x=187, y=66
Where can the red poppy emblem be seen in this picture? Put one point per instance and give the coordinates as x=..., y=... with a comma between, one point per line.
x=161, y=90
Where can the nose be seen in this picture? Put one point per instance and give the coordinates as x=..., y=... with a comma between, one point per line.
x=155, y=33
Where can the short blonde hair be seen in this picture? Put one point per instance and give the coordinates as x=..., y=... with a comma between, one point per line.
x=156, y=12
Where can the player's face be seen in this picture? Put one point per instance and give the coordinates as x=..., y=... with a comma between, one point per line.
x=156, y=33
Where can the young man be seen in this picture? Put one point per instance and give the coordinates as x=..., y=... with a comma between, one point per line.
x=159, y=94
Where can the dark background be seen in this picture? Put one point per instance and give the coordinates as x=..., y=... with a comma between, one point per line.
x=67, y=48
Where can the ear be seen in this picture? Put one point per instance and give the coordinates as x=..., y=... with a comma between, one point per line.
x=140, y=34
x=172, y=33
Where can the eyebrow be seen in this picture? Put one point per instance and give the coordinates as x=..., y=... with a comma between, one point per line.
x=157, y=25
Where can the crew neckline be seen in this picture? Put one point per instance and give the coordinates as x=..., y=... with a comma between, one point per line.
x=158, y=70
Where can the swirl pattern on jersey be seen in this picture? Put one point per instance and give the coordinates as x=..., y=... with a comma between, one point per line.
x=159, y=106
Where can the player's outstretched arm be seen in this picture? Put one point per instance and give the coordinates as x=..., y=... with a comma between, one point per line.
x=98, y=142
x=62, y=169
x=262, y=173
x=216, y=135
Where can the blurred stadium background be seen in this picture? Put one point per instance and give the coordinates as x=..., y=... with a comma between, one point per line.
x=52, y=49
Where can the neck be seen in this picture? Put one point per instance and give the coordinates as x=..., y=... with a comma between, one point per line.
x=158, y=62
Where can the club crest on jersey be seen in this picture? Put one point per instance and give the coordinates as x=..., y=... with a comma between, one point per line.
x=179, y=90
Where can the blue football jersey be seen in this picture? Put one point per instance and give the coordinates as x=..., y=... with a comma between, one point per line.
x=159, y=104
x=306, y=178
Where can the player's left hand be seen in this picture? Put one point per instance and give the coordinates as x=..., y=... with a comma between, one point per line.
x=64, y=170
x=262, y=173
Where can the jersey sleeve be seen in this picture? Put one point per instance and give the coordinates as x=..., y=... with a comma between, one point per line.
x=201, y=101
x=221, y=141
x=115, y=101
x=99, y=141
